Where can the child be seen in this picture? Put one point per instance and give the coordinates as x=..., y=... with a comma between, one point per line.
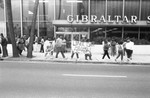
x=49, y=49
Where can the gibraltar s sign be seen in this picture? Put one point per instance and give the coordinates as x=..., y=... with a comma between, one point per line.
x=102, y=19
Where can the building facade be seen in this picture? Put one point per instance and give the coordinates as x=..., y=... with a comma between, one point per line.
x=81, y=18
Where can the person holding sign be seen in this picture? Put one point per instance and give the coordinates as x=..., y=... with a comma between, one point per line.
x=75, y=48
x=87, y=50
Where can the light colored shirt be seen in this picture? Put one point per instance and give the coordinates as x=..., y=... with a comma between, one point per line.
x=46, y=43
x=58, y=42
x=129, y=45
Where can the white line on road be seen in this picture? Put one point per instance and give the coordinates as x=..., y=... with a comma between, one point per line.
x=96, y=76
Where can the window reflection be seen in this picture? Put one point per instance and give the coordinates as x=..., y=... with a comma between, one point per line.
x=71, y=7
x=98, y=7
x=132, y=8
x=114, y=7
x=2, y=10
x=145, y=9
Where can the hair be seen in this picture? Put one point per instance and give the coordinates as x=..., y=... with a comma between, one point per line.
x=105, y=41
x=120, y=42
x=2, y=35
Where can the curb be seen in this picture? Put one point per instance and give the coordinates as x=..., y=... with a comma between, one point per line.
x=75, y=61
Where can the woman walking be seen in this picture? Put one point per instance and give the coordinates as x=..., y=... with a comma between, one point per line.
x=106, y=48
x=120, y=51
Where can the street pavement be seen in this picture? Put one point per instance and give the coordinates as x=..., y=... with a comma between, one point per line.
x=73, y=80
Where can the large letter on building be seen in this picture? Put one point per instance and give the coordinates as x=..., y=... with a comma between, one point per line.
x=117, y=18
x=109, y=19
x=70, y=18
x=148, y=19
x=77, y=18
x=133, y=19
x=102, y=19
x=93, y=18
x=85, y=18
x=125, y=19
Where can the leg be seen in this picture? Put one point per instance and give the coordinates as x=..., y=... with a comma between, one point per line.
x=21, y=51
x=122, y=53
x=62, y=53
x=131, y=54
x=51, y=52
x=128, y=53
x=118, y=55
x=86, y=57
x=77, y=55
x=57, y=54
x=4, y=51
x=72, y=54
x=107, y=54
x=90, y=57
x=104, y=54
x=45, y=54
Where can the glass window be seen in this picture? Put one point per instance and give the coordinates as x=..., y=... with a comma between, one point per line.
x=46, y=10
x=145, y=11
x=132, y=8
x=114, y=31
x=114, y=7
x=98, y=7
x=63, y=9
x=46, y=15
x=28, y=6
x=80, y=7
x=144, y=33
x=72, y=29
x=16, y=10
x=2, y=10
x=131, y=32
x=96, y=32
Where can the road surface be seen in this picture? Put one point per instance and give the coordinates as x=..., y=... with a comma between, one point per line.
x=70, y=80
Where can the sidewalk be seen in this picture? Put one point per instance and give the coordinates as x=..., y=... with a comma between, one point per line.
x=139, y=59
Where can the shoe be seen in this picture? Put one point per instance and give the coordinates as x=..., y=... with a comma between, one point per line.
x=1, y=59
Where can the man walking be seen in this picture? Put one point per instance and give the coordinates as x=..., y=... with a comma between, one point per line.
x=106, y=48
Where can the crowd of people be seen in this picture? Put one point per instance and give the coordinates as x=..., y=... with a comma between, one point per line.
x=118, y=49
x=111, y=48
